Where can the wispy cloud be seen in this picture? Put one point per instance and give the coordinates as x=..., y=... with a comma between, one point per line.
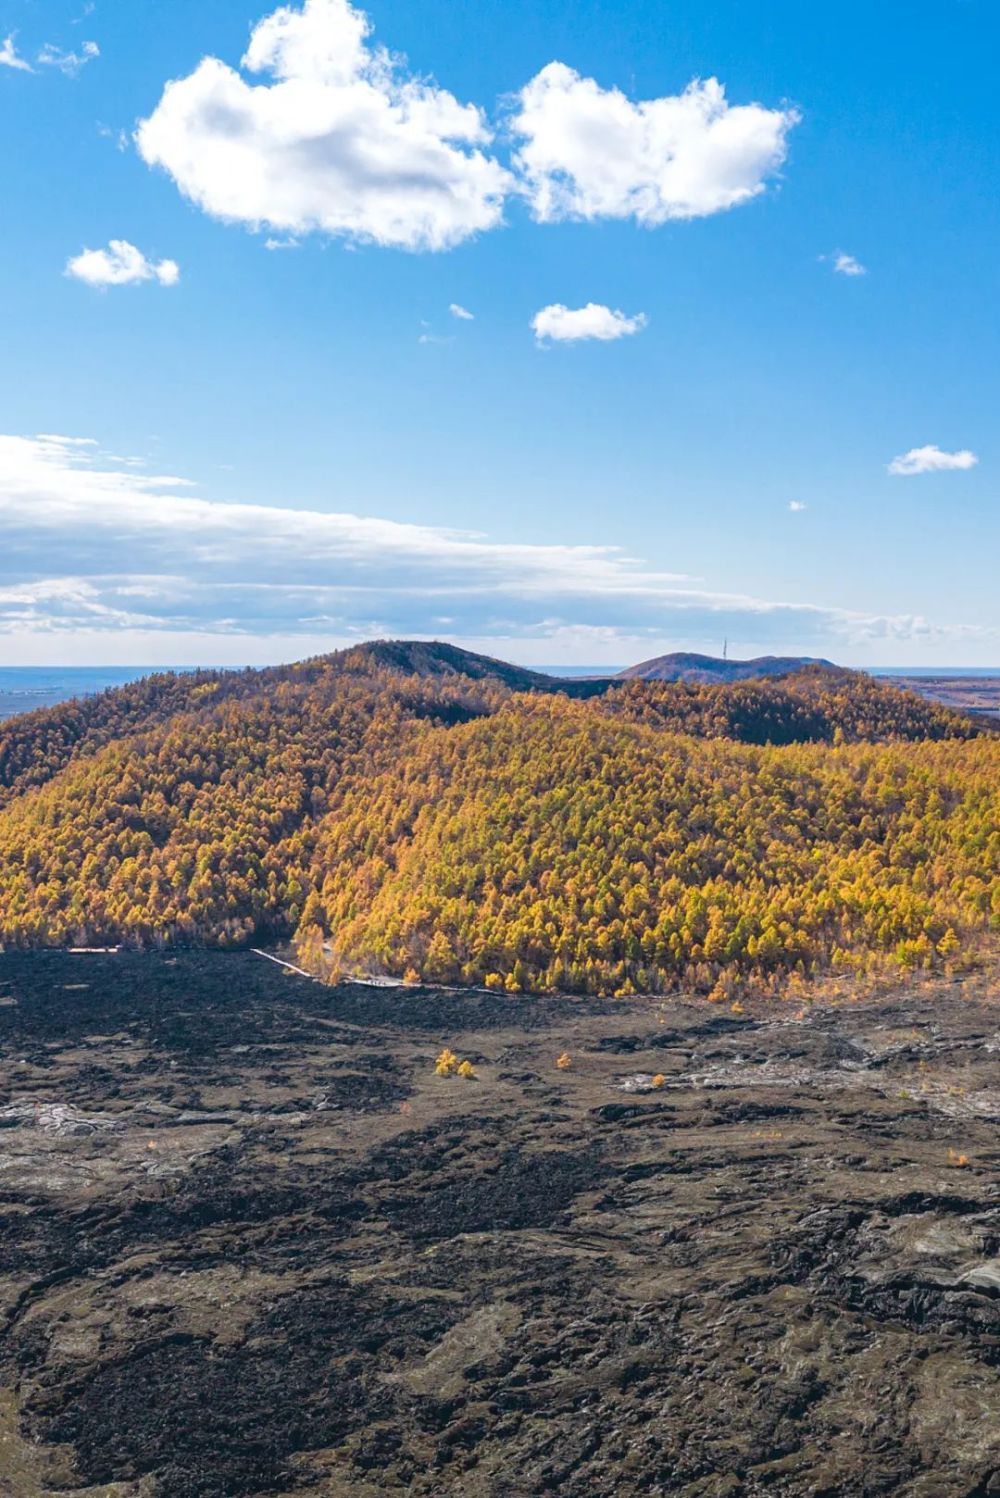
x=121, y=264
x=96, y=546
x=559, y=324
x=69, y=63
x=797, y=506
x=931, y=459
x=461, y=312
x=118, y=136
x=10, y=58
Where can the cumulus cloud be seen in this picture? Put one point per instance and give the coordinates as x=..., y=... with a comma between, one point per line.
x=461, y=312
x=69, y=63
x=339, y=138
x=93, y=547
x=121, y=264
x=797, y=506
x=931, y=460
x=588, y=152
x=10, y=58
x=559, y=324
x=847, y=265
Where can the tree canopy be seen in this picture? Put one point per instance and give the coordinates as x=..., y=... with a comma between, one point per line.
x=445, y=826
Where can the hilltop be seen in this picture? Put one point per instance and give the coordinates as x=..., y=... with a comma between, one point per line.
x=437, y=658
x=682, y=666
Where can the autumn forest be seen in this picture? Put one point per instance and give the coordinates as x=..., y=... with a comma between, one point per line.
x=421, y=813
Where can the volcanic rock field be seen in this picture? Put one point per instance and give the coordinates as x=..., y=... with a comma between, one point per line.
x=251, y=1244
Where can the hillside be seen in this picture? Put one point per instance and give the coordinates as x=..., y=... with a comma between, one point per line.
x=199, y=827
x=681, y=666
x=423, y=810
x=36, y=746
x=814, y=705
x=544, y=848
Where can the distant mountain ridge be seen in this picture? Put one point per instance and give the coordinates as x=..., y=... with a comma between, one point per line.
x=706, y=669
x=438, y=658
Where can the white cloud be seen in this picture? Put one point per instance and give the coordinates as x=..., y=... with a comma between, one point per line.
x=931, y=460
x=847, y=265
x=340, y=139
x=797, y=506
x=69, y=63
x=121, y=264
x=91, y=547
x=461, y=312
x=9, y=57
x=118, y=136
x=288, y=242
x=560, y=324
x=587, y=152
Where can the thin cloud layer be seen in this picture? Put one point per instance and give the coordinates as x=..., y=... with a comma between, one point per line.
x=588, y=152
x=931, y=460
x=97, y=546
x=339, y=138
x=559, y=324
x=121, y=264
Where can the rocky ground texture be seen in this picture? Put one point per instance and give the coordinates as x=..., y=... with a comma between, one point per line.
x=251, y=1243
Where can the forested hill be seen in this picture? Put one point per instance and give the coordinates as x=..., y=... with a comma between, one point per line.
x=437, y=658
x=683, y=666
x=423, y=811
x=815, y=705
x=807, y=704
x=546, y=848
x=37, y=745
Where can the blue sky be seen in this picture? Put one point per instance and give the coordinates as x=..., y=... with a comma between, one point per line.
x=355, y=459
